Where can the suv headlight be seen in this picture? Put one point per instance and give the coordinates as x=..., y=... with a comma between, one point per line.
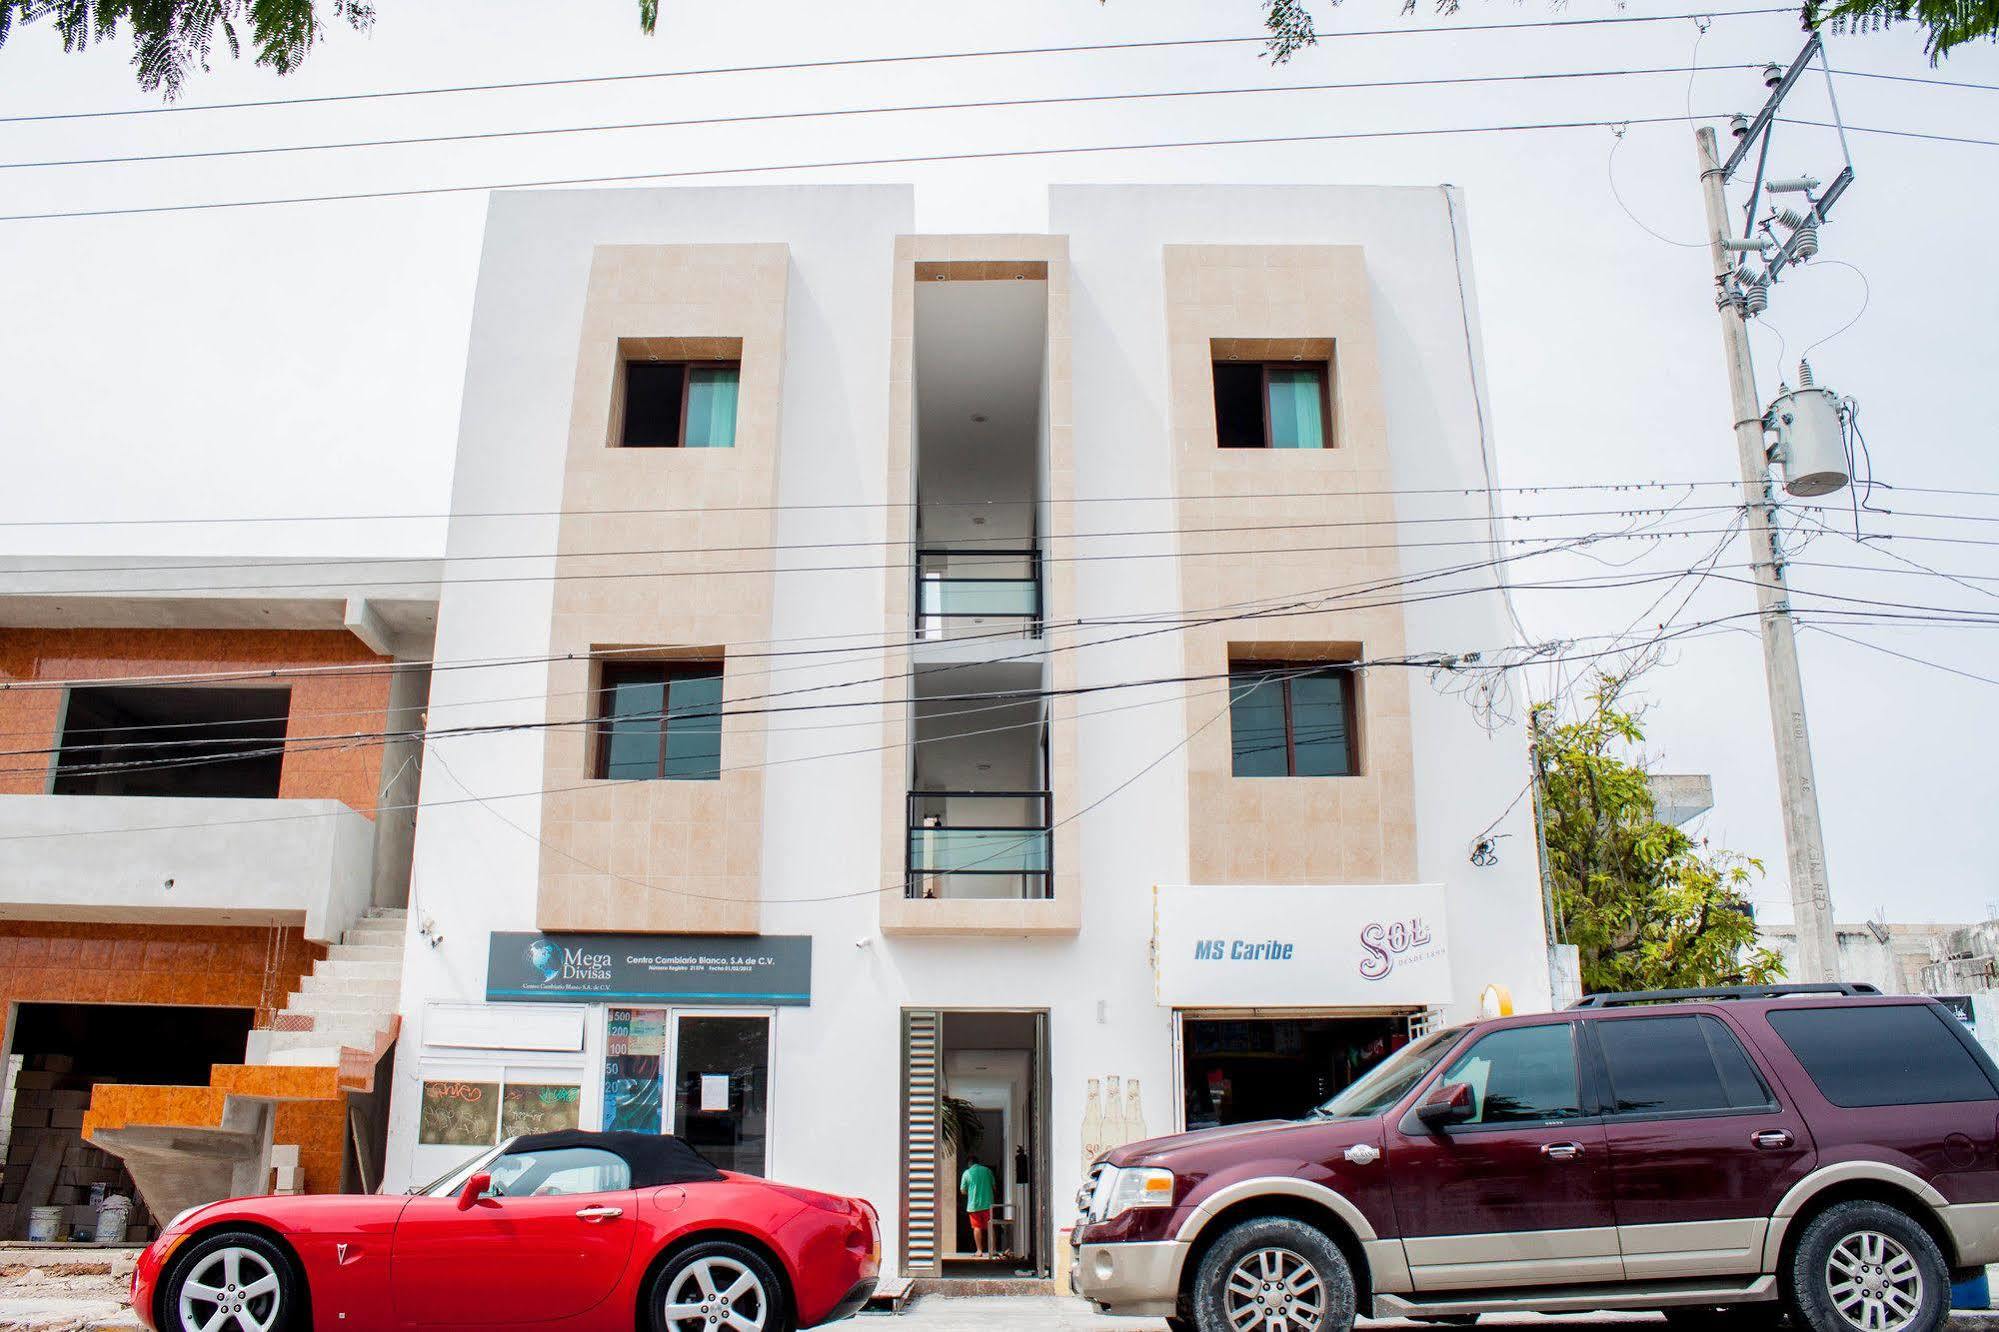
x=1119, y=1190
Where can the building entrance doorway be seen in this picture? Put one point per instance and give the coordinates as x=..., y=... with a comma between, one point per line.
x=975, y=1095
x=1238, y=1069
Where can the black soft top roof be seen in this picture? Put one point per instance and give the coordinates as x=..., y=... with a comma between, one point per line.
x=654, y=1158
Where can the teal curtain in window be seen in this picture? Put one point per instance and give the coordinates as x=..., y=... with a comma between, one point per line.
x=1256, y=725
x=1296, y=420
x=711, y=407
x=694, y=729
x=632, y=745
x=1319, y=725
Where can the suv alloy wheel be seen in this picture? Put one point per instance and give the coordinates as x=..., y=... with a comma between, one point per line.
x=1868, y=1267
x=1273, y=1275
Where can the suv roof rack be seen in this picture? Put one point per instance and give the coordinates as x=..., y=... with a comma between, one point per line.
x=1847, y=988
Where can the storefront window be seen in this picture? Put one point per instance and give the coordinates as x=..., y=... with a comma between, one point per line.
x=718, y=1065
x=634, y=1063
x=721, y=1091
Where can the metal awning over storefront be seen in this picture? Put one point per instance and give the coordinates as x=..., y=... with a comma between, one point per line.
x=1300, y=946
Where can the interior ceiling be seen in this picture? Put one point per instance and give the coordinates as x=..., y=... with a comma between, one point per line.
x=988, y=1031
x=970, y=744
x=979, y=351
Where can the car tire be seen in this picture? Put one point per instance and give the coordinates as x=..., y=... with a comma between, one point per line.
x=238, y=1271
x=718, y=1286
x=1256, y=1262
x=1867, y=1258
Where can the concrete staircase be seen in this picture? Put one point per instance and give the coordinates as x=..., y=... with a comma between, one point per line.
x=189, y=1145
x=346, y=1006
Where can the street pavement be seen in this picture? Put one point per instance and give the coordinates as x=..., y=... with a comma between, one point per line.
x=23, y=1309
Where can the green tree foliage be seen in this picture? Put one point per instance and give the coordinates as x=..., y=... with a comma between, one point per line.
x=1646, y=906
x=173, y=38
x=1946, y=23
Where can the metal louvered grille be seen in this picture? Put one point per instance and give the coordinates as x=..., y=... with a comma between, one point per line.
x=922, y=1087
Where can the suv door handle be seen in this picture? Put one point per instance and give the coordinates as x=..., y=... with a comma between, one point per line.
x=1772, y=1139
x=599, y=1213
x=1561, y=1151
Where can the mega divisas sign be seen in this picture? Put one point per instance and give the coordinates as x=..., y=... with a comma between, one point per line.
x=1271, y=946
x=648, y=968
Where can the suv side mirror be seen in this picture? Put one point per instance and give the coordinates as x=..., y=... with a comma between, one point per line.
x=1448, y=1103
x=475, y=1188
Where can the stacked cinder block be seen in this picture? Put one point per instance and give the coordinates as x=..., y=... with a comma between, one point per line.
x=47, y=1161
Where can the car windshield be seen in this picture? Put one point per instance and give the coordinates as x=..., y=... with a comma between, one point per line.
x=1387, y=1082
x=448, y=1184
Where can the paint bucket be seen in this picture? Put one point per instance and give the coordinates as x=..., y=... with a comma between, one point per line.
x=112, y=1218
x=44, y=1225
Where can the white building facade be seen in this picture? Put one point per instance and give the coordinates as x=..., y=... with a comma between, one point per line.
x=909, y=698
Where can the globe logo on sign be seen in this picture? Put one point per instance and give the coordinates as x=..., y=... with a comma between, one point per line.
x=545, y=959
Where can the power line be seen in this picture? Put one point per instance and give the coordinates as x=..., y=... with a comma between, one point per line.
x=1920, y=661
x=840, y=112
x=1004, y=548
x=1636, y=487
x=1721, y=623
x=987, y=155
x=1312, y=606
x=872, y=505
x=573, y=575
x=849, y=62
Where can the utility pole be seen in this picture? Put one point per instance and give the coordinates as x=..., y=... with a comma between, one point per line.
x=1738, y=294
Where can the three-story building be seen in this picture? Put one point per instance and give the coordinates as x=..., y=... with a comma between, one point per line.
x=952, y=697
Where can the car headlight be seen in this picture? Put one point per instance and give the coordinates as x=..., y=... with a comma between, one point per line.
x=183, y=1215
x=1121, y=1189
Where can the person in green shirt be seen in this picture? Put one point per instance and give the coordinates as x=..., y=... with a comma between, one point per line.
x=977, y=1184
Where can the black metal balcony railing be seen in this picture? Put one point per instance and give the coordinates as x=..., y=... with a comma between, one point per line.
x=968, y=843
x=969, y=590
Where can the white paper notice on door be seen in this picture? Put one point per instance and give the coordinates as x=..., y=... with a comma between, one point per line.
x=714, y=1091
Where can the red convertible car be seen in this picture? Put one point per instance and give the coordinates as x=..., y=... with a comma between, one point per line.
x=565, y=1231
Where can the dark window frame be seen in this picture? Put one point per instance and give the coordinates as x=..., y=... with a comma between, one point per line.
x=611, y=674
x=687, y=369
x=1325, y=369
x=1287, y=672
x=1607, y=1085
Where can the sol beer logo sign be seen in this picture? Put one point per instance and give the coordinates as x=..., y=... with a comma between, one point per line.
x=1384, y=944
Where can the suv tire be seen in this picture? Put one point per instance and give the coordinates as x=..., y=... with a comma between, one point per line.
x=1867, y=1265
x=1290, y=1271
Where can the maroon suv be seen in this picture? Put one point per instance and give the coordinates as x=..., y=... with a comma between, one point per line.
x=1825, y=1146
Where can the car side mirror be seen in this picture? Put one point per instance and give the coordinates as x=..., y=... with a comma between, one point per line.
x=475, y=1188
x=1448, y=1103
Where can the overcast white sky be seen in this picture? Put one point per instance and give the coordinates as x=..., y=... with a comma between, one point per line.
x=308, y=359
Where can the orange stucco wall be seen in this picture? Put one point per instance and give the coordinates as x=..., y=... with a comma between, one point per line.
x=329, y=704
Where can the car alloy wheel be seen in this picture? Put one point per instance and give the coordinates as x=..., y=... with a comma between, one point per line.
x=714, y=1293
x=1274, y=1290
x=231, y=1287
x=1874, y=1282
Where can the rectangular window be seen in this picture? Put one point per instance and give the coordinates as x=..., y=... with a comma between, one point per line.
x=1678, y=1066
x=1292, y=720
x=703, y=1076
x=1884, y=1054
x=660, y=720
x=1273, y=404
x=1521, y=1075
x=173, y=740
x=680, y=404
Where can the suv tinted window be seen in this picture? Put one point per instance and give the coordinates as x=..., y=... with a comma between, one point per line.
x=1677, y=1066
x=1882, y=1054
x=1521, y=1074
